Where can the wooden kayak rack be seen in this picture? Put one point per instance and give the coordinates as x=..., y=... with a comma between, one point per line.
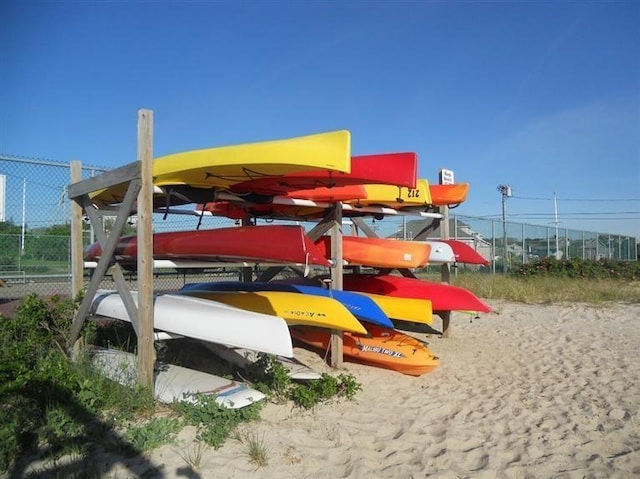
x=139, y=199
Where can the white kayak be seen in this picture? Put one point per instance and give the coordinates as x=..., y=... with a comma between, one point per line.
x=175, y=383
x=205, y=320
x=244, y=357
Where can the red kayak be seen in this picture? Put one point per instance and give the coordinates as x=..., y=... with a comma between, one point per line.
x=336, y=193
x=463, y=252
x=269, y=244
x=443, y=297
x=399, y=169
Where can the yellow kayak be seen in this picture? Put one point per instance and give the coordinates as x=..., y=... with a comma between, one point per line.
x=394, y=197
x=294, y=308
x=222, y=167
x=404, y=309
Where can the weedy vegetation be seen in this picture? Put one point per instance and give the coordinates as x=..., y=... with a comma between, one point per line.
x=554, y=281
x=59, y=412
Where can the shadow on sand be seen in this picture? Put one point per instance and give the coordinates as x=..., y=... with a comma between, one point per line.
x=98, y=448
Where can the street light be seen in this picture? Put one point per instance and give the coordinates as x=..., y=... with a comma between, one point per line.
x=505, y=192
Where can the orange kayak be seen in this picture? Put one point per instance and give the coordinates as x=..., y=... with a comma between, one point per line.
x=382, y=347
x=453, y=194
x=380, y=252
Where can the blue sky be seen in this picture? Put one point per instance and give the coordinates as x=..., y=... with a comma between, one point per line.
x=543, y=96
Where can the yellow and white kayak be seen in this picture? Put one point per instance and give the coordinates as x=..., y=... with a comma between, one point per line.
x=294, y=308
x=220, y=168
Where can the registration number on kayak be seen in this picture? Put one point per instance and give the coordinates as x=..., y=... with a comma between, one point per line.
x=377, y=349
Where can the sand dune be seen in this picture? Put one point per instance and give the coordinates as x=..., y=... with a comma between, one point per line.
x=527, y=391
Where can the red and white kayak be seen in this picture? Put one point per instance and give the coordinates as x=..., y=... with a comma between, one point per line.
x=440, y=253
x=268, y=244
x=454, y=251
x=443, y=297
x=463, y=252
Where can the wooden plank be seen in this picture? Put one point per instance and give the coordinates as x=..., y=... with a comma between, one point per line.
x=424, y=232
x=117, y=176
x=146, y=351
x=77, y=271
x=109, y=245
x=364, y=227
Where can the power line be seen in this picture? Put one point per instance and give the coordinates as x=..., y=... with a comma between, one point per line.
x=581, y=214
x=578, y=218
x=575, y=199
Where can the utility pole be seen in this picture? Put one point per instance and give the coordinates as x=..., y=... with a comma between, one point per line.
x=555, y=216
x=505, y=192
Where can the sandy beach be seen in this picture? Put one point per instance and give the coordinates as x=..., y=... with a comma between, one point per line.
x=524, y=392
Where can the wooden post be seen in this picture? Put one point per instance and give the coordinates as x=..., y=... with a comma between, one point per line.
x=445, y=272
x=77, y=269
x=146, y=352
x=247, y=271
x=336, y=277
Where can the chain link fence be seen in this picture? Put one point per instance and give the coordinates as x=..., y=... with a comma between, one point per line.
x=35, y=230
x=509, y=245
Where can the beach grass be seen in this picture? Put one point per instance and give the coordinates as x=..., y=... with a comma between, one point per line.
x=544, y=290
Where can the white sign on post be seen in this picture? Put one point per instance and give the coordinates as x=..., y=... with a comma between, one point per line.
x=446, y=177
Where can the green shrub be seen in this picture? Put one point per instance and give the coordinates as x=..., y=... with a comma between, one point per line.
x=214, y=422
x=52, y=405
x=579, y=268
x=310, y=394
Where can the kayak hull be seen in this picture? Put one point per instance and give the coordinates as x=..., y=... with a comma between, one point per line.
x=379, y=252
x=398, y=169
x=443, y=297
x=360, y=305
x=382, y=347
x=287, y=244
x=448, y=195
x=204, y=320
x=294, y=308
x=197, y=175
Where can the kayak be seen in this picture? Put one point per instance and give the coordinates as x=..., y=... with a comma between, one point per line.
x=379, y=252
x=381, y=347
x=462, y=252
x=294, y=308
x=443, y=297
x=287, y=244
x=448, y=195
x=204, y=320
x=394, y=197
x=360, y=305
x=397, y=169
x=404, y=309
x=195, y=176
